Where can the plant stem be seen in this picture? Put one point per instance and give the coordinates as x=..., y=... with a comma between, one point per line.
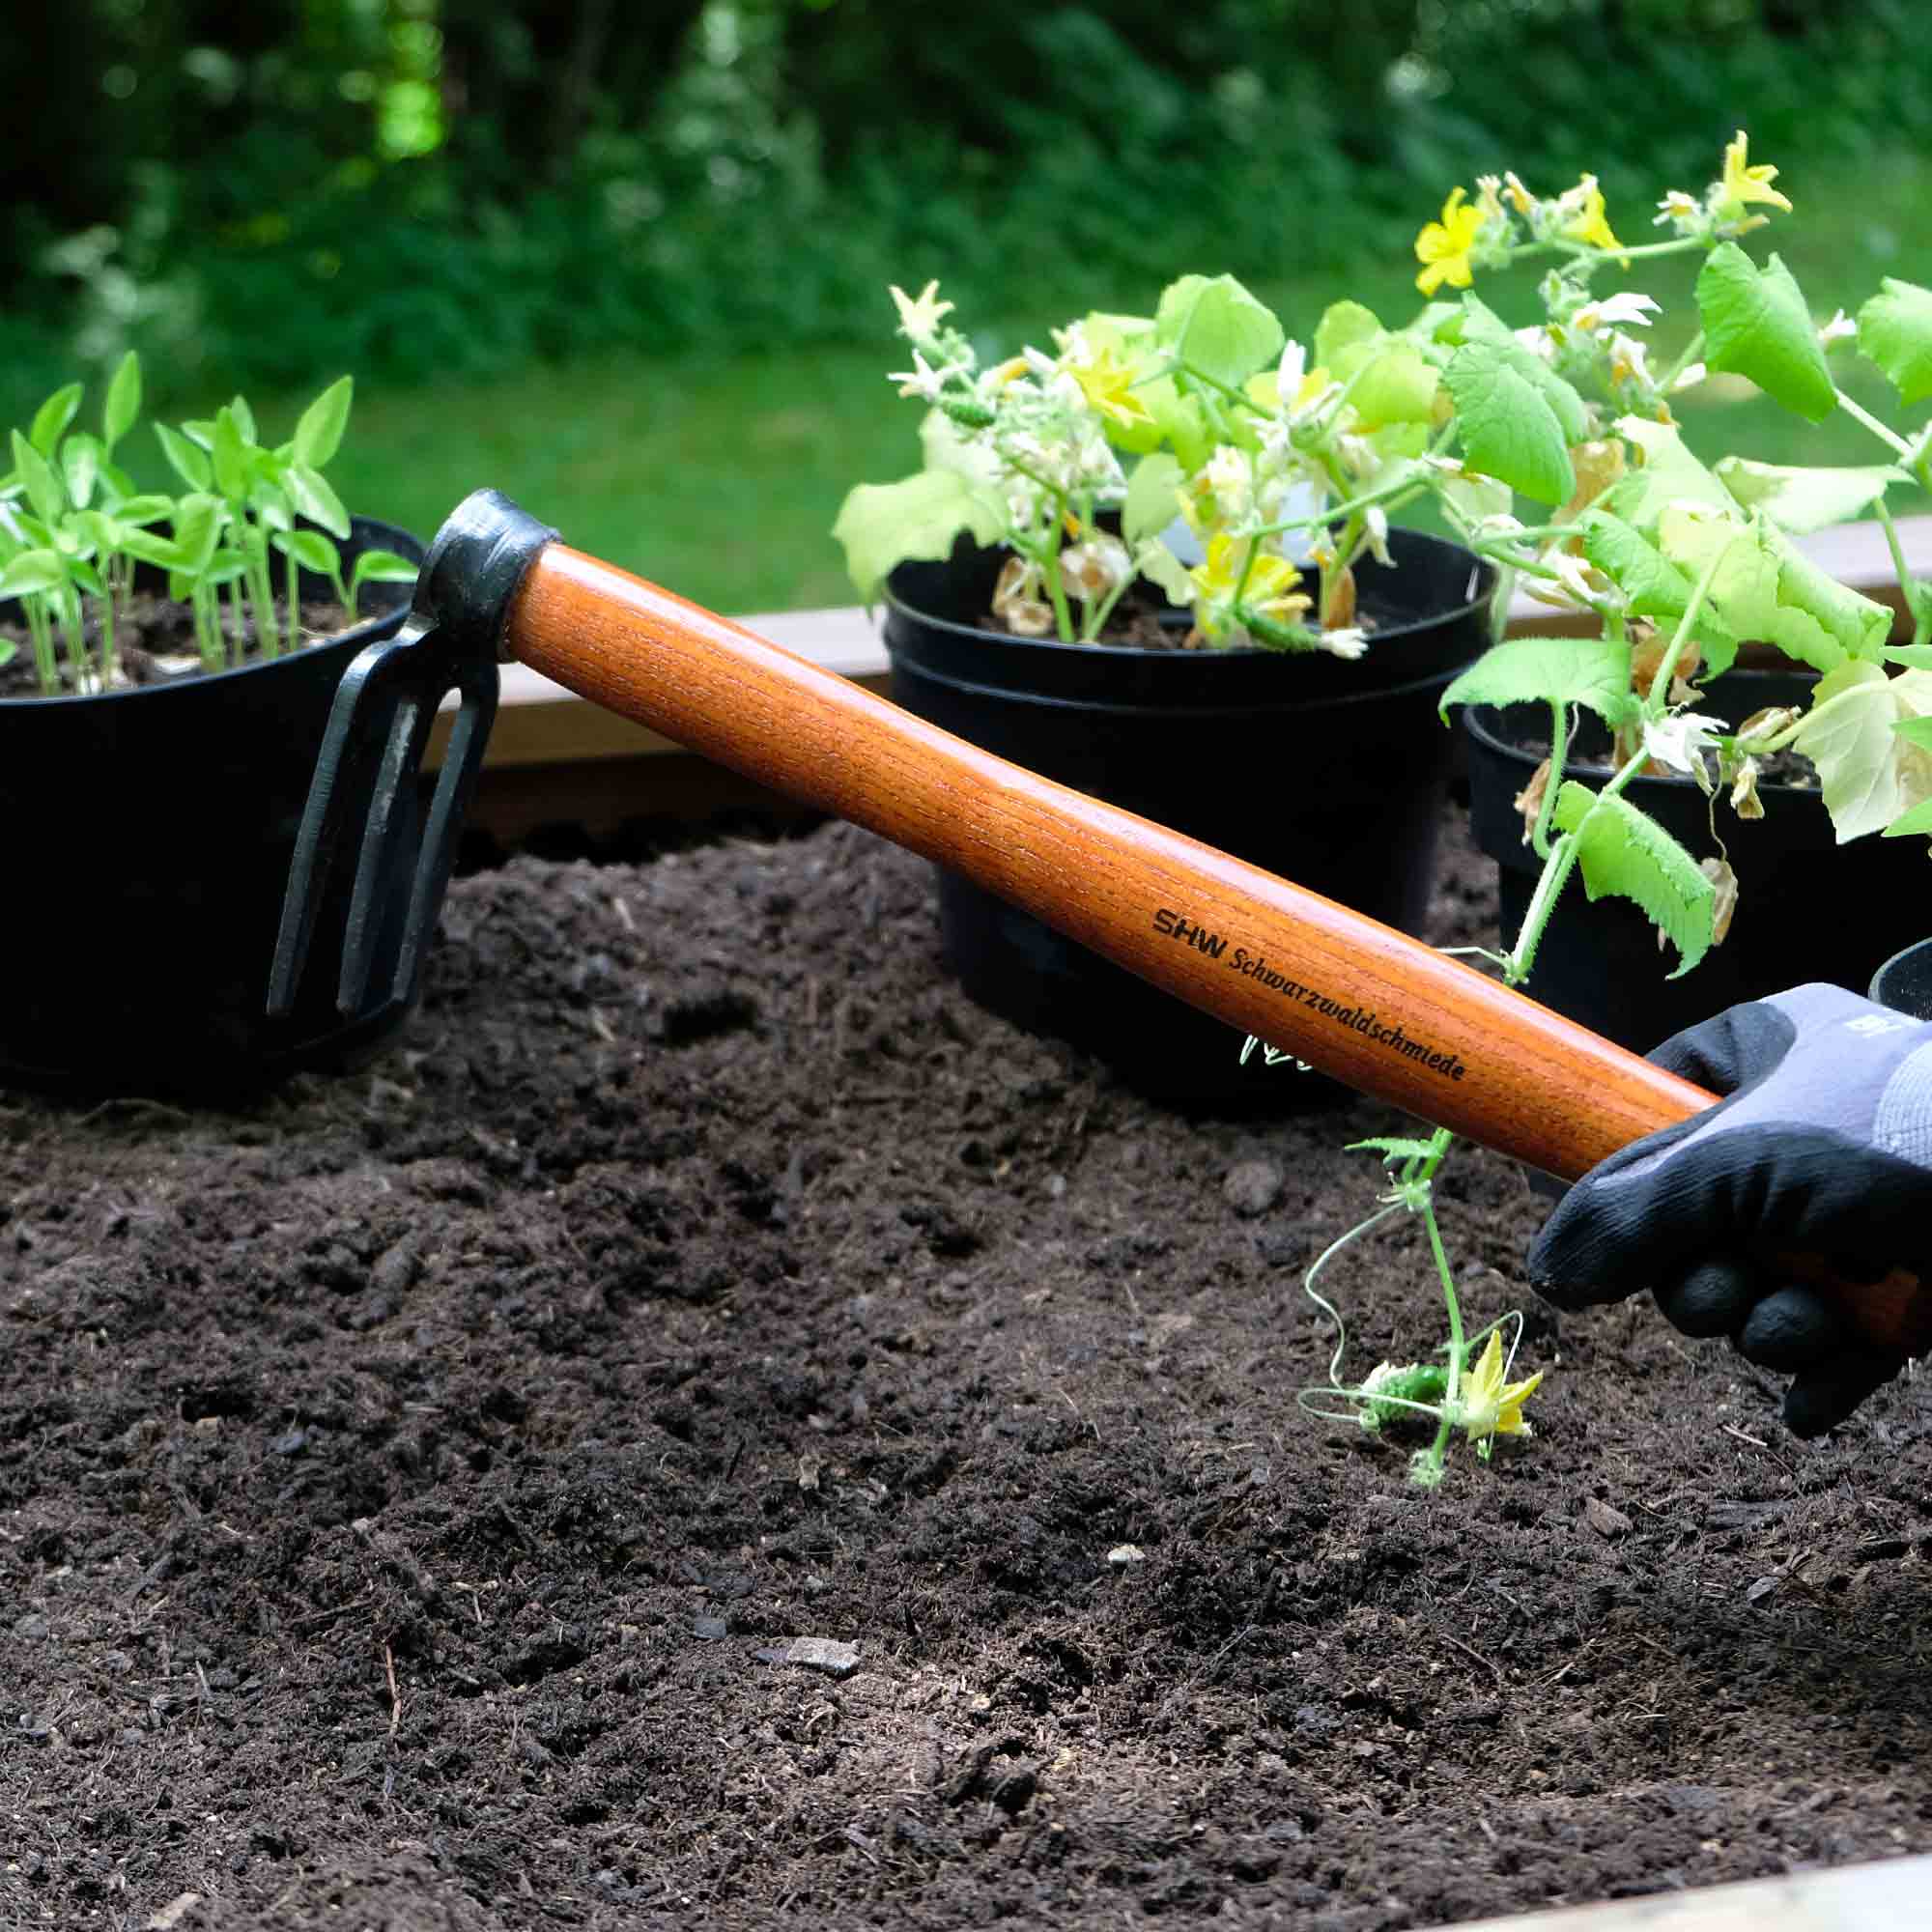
x=291, y=580
x=1900, y=569
x=1860, y=415
x=106, y=629
x=1559, y=752
x=1563, y=855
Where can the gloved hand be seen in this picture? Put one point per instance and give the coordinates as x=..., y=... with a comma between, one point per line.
x=1823, y=1146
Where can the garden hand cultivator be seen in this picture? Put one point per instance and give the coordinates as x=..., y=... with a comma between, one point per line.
x=1364, y=1003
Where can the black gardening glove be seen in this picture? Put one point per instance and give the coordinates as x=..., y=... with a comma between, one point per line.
x=1823, y=1146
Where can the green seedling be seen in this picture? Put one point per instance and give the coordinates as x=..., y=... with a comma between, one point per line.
x=73, y=528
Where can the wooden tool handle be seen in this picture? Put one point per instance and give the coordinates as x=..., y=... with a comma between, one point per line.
x=1376, y=1010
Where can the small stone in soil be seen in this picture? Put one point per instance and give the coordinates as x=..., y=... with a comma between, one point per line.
x=1605, y=1520
x=816, y=1652
x=1125, y=1555
x=1253, y=1187
x=710, y=1629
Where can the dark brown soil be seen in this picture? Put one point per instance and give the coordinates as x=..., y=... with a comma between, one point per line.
x=150, y=633
x=406, y=1486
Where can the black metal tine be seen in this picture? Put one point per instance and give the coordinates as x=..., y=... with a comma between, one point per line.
x=461, y=765
x=345, y=774
x=386, y=823
x=372, y=752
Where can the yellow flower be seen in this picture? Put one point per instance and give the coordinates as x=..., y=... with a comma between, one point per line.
x=1587, y=224
x=1109, y=388
x=1443, y=246
x=1489, y=1406
x=1743, y=184
x=1270, y=587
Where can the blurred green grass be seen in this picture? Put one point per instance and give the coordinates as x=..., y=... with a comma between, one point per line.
x=720, y=477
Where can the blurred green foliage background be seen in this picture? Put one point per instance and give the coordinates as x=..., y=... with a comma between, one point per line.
x=628, y=262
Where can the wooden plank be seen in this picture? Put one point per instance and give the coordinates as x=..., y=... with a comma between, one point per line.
x=1894, y=1893
x=553, y=739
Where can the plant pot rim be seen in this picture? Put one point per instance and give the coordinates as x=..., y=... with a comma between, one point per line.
x=365, y=630
x=1482, y=585
x=1476, y=721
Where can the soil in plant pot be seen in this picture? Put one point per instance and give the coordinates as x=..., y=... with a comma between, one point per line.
x=154, y=641
x=412, y=1491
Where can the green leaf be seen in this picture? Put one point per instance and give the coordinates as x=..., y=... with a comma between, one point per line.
x=52, y=418
x=228, y=452
x=319, y=433
x=1918, y=820
x=1343, y=324
x=99, y=534
x=197, y=522
x=1626, y=852
x=1652, y=585
x=85, y=579
x=382, y=566
x=310, y=549
x=225, y=566
x=1392, y=1148
x=884, y=524
x=1869, y=770
x=244, y=419
x=1757, y=324
x=1151, y=497
x=36, y=476
x=1667, y=475
x=1918, y=656
x=1591, y=672
x=310, y=493
x=1395, y=385
x=149, y=548
x=148, y=508
x=185, y=460
x=1217, y=328
x=1764, y=587
x=80, y=465
x=122, y=405
x=1802, y=501
x=8, y=650
x=1896, y=331
x=1153, y=561
x=33, y=572
x=1516, y=417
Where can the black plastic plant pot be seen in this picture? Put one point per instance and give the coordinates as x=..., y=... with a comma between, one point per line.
x=1329, y=772
x=1904, y=982
x=1808, y=908
x=149, y=837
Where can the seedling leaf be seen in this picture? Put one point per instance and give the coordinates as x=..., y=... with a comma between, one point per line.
x=33, y=572
x=186, y=461
x=124, y=401
x=38, y=478
x=382, y=566
x=80, y=463
x=1626, y=852
x=310, y=549
x=229, y=454
x=319, y=433
x=52, y=418
x=311, y=496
